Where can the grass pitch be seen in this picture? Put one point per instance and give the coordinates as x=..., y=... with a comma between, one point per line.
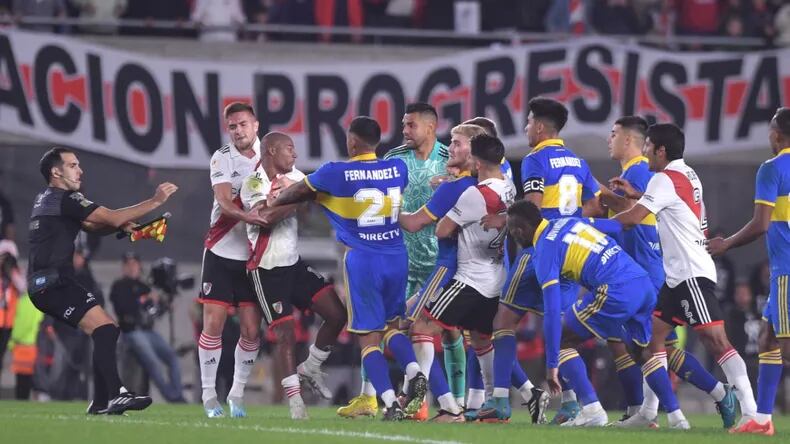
x=33, y=423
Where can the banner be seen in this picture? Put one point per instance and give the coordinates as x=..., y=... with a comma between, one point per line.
x=168, y=113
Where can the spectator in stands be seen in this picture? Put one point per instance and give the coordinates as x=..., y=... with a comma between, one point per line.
x=150, y=10
x=661, y=18
x=344, y=13
x=227, y=13
x=615, y=17
x=136, y=306
x=761, y=21
x=760, y=283
x=257, y=13
x=698, y=17
x=782, y=26
x=11, y=278
x=743, y=328
x=101, y=10
x=40, y=9
x=568, y=16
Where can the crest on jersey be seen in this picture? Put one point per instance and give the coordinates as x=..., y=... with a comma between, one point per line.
x=278, y=307
x=206, y=288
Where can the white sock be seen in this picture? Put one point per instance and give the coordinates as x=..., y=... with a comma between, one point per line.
x=368, y=389
x=675, y=417
x=423, y=349
x=316, y=357
x=762, y=418
x=389, y=398
x=460, y=401
x=412, y=369
x=486, y=358
x=718, y=393
x=592, y=407
x=735, y=370
x=291, y=386
x=447, y=402
x=475, y=399
x=526, y=390
x=632, y=410
x=209, y=352
x=500, y=392
x=245, y=354
x=568, y=396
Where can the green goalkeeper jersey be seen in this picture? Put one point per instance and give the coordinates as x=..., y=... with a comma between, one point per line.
x=422, y=245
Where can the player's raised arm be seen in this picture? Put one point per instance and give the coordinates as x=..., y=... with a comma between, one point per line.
x=106, y=217
x=298, y=192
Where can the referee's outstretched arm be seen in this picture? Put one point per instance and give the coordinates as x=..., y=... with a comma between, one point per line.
x=105, y=221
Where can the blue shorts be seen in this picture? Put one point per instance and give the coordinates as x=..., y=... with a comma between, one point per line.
x=522, y=293
x=375, y=285
x=777, y=310
x=440, y=276
x=614, y=308
x=671, y=339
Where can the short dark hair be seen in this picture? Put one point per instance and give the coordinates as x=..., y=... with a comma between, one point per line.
x=366, y=129
x=527, y=211
x=51, y=159
x=633, y=123
x=488, y=148
x=783, y=121
x=238, y=107
x=549, y=110
x=670, y=136
x=484, y=122
x=422, y=108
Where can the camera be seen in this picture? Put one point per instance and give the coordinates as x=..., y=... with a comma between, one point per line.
x=164, y=275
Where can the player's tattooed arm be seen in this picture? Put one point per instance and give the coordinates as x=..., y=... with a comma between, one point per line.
x=633, y=216
x=298, y=192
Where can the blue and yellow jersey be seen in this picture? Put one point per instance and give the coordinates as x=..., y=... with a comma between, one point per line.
x=362, y=199
x=571, y=248
x=441, y=202
x=773, y=189
x=641, y=242
x=564, y=179
x=507, y=171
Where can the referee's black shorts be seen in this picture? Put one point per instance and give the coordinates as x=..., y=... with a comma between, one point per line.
x=65, y=299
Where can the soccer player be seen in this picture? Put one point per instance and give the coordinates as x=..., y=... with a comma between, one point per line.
x=224, y=272
x=59, y=212
x=469, y=301
x=561, y=185
x=626, y=141
x=771, y=215
x=623, y=300
x=281, y=279
x=362, y=199
x=490, y=128
x=674, y=196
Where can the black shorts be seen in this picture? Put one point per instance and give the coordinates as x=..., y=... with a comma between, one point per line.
x=224, y=282
x=281, y=289
x=692, y=302
x=461, y=306
x=66, y=300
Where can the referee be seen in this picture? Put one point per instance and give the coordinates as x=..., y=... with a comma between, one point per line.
x=59, y=212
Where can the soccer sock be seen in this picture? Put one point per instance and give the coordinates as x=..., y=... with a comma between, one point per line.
x=477, y=392
x=688, y=368
x=447, y=403
x=376, y=368
x=209, y=352
x=574, y=372
x=316, y=357
x=401, y=348
x=630, y=376
x=735, y=370
x=244, y=357
x=650, y=404
x=504, y=356
x=291, y=386
x=767, y=383
x=437, y=381
x=105, y=339
x=486, y=357
x=568, y=395
x=424, y=352
x=518, y=377
x=657, y=378
x=100, y=397
x=456, y=365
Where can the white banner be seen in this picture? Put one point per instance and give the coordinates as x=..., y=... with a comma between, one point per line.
x=167, y=113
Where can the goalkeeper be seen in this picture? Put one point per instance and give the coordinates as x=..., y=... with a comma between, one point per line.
x=59, y=212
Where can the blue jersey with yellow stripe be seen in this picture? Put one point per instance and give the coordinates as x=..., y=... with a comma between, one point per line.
x=362, y=199
x=641, y=242
x=564, y=179
x=441, y=202
x=773, y=189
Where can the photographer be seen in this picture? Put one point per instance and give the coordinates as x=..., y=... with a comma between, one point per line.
x=136, y=307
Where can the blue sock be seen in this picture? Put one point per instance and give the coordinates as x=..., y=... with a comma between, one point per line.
x=376, y=368
x=401, y=348
x=630, y=376
x=574, y=372
x=455, y=363
x=518, y=377
x=768, y=380
x=504, y=357
x=437, y=381
x=473, y=373
x=657, y=378
x=689, y=369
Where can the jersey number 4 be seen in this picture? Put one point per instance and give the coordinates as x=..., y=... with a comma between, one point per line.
x=372, y=215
